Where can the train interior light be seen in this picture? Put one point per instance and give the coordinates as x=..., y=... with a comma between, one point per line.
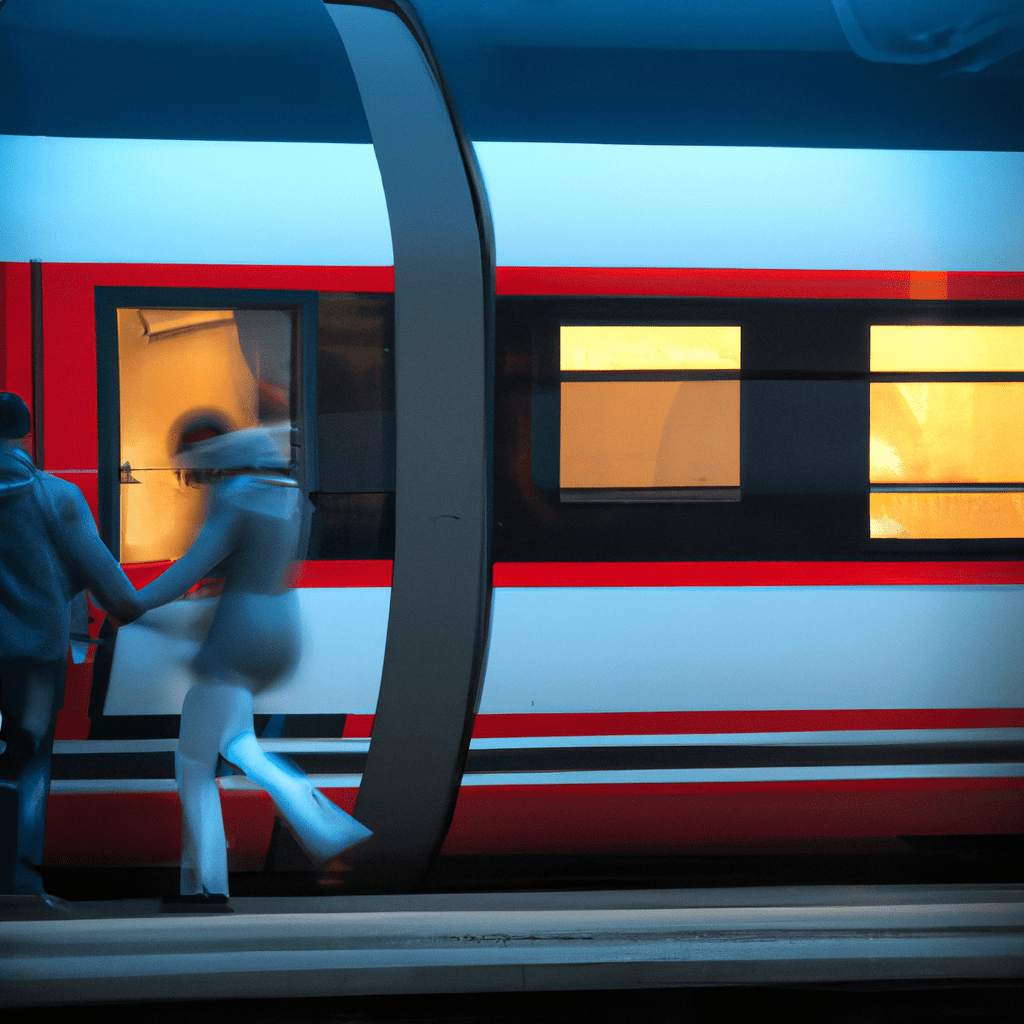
x=947, y=454
x=172, y=366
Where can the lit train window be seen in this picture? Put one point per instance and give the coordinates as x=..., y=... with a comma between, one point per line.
x=947, y=431
x=649, y=412
x=176, y=364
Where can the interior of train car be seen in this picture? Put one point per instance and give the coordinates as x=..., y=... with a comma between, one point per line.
x=655, y=383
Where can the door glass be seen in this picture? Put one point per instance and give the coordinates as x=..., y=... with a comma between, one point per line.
x=174, y=365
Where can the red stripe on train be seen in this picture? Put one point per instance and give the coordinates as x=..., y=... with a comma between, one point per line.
x=686, y=723
x=678, y=818
x=378, y=573
x=683, y=723
x=352, y=573
x=664, y=818
x=768, y=284
x=364, y=572
x=755, y=574
x=69, y=317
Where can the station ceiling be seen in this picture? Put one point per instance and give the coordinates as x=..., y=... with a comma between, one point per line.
x=922, y=74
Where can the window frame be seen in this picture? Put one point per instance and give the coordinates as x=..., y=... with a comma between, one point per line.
x=804, y=425
x=109, y=299
x=952, y=377
x=579, y=495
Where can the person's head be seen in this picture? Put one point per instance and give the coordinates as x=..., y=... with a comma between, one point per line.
x=15, y=421
x=210, y=448
x=200, y=429
x=192, y=442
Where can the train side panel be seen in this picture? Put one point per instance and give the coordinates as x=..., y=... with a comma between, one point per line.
x=588, y=683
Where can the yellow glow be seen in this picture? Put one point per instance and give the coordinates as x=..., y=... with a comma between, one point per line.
x=650, y=348
x=160, y=515
x=918, y=515
x=948, y=432
x=172, y=363
x=650, y=434
x=947, y=348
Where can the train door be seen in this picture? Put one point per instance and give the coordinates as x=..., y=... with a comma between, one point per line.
x=169, y=359
x=245, y=366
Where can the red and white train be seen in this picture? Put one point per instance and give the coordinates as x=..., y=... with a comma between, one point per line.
x=668, y=497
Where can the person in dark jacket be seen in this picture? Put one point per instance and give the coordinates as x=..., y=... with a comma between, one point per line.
x=50, y=553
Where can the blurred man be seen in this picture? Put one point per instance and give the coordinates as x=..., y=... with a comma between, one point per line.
x=50, y=552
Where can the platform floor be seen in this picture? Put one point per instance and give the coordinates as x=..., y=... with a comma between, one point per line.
x=138, y=950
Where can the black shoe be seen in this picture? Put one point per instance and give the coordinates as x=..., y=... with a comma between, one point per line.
x=33, y=907
x=203, y=902
x=55, y=903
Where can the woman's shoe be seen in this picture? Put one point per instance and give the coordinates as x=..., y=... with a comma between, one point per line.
x=322, y=828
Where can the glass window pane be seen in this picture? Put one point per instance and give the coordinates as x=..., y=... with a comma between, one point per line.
x=160, y=514
x=955, y=432
x=587, y=347
x=947, y=516
x=356, y=394
x=176, y=364
x=947, y=348
x=629, y=434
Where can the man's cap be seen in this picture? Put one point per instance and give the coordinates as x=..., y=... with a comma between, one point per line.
x=15, y=420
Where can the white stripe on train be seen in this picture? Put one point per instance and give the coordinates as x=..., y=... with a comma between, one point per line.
x=553, y=204
x=600, y=649
x=765, y=739
x=645, y=777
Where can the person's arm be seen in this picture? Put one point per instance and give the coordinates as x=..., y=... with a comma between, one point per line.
x=213, y=545
x=97, y=569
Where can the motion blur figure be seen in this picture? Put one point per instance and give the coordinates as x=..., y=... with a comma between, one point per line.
x=50, y=553
x=252, y=534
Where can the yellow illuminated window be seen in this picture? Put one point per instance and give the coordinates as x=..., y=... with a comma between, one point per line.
x=947, y=348
x=649, y=412
x=176, y=364
x=586, y=347
x=947, y=454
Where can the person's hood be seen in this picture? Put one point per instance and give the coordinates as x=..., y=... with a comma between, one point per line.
x=254, y=448
x=16, y=472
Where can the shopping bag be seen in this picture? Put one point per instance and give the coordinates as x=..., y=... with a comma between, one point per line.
x=152, y=665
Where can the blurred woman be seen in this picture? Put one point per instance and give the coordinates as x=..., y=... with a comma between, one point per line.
x=251, y=534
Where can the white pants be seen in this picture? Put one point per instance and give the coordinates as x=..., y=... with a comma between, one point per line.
x=216, y=719
x=214, y=713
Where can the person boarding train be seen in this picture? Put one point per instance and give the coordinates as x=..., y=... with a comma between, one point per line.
x=252, y=532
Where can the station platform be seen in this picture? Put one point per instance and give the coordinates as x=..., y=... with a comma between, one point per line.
x=272, y=947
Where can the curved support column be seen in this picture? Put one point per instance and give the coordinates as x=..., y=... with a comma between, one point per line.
x=444, y=298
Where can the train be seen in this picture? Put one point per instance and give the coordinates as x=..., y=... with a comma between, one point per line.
x=664, y=445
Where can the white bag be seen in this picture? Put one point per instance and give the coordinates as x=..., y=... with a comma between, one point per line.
x=152, y=666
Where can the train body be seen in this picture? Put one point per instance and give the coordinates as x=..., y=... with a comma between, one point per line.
x=750, y=440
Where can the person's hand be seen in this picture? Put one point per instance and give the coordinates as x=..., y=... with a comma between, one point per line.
x=125, y=614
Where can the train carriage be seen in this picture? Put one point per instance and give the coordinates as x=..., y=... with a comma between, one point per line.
x=667, y=469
